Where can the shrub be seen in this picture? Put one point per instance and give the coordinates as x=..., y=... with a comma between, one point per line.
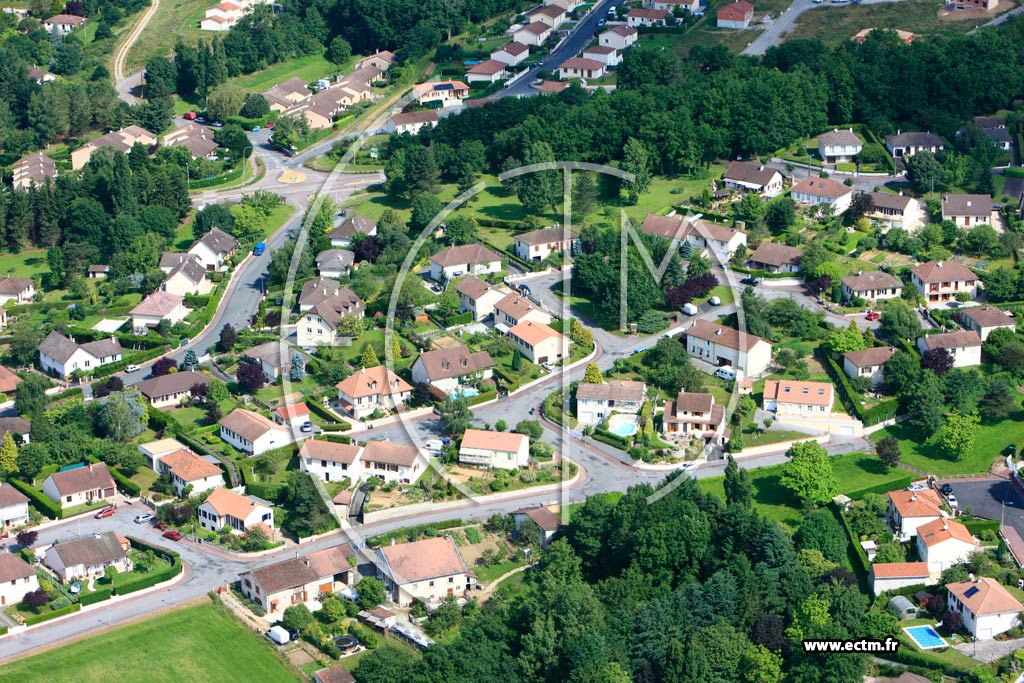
x=47, y=616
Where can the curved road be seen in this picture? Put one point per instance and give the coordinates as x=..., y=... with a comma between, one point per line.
x=775, y=32
x=122, y=81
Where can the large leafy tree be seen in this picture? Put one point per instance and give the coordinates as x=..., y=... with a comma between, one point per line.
x=122, y=415
x=808, y=473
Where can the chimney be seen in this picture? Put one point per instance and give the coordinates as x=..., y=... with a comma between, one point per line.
x=939, y=264
x=898, y=131
x=913, y=498
x=945, y=525
x=363, y=371
x=718, y=332
x=306, y=560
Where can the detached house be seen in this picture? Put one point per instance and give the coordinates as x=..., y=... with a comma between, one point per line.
x=187, y=277
x=429, y=571
x=63, y=23
x=78, y=485
x=578, y=67
x=839, y=146
x=552, y=15
x=443, y=93
x=963, y=346
x=737, y=15
x=595, y=402
x=251, y=432
x=274, y=357
x=895, y=210
x=725, y=346
x=619, y=37
x=498, y=450
x=477, y=297
x=511, y=53
x=343, y=235
x=967, y=210
x=411, y=122
x=17, y=577
x=909, y=510
x=533, y=34
x=788, y=397
x=168, y=391
x=334, y=263
x=16, y=290
x=369, y=390
x=940, y=281
x=392, y=462
x=187, y=469
x=943, y=543
x=605, y=54
x=818, y=191
x=490, y=71
x=872, y=286
x=300, y=580
x=887, y=576
x=321, y=325
x=225, y=508
x=695, y=414
x=903, y=145
x=329, y=461
x=646, y=17
x=449, y=369
x=213, y=249
x=156, y=308
x=514, y=309
x=537, y=245
x=13, y=508
x=867, y=363
x=89, y=557
x=61, y=356
x=473, y=259
x=774, y=257
x=198, y=140
x=984, y=319
x=749, y=177
x=548, y=523
x=155, y=451
x=987, y=608
x=539, y=343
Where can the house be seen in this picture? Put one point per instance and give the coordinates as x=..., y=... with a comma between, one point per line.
x=40, y=76
x=316, y=290
x=274, y=357
x=168, y=391
x=18, y=290
x=721, y=346
x=382, y=59
x=940, y=281
x=871, y=286
x=88, y=557
x=300, y=580
x=646, y=17
x=154, y=451
x=251, y=432
x=13, y=508
x=190, y=474
x=319, y=111
x=567, y=5
x=329, y=461
x=736, y=15
x=157, y=307
x=967, y=210
x=8, y=381
x=336, y=674
x=213, y=249
x=80, y=484
x=895, y=210
x=552, y=87
x=711, y=238
x=371, y=390
x=412, y=122
x=490, y=71
x=987, y=608
x=511, y=53
x=964, y=346
x=595, y=402
x=496, y=450
x=942, y=543
x=619, y=37
x=449, y=369
x=987, y=5
x=818, y=191
x=909, y=510
x=537, y=245
x=34, y=169
x=748, y=177
x=903, y=145
x=539, y=343
x=188, y=277
x=17, y=427
x=392, y=462
x=334, y=263
x=578, y=67
x=774, y=257
x=429, y=570
x=226, y=508
x=122, y=140
x=474, y=259
x=868, y=363
x=62, y=357
x=984, y=319
x=292, y=416
x=548, y=523
x=63, y=23
x=889, y=576
x=17, y=577
x=321, y=325
x=839, y=146
x=198, y=140
x=343, y=235
x=672, y=226
x=695, y=414
x=514, y=309
x=477, y=297
x=671, y=6
x=533, y=34
x=98, y=271
x=789, y=397
x=605, y=54
x=443, y=93
x=284, y=95
x=552, y=15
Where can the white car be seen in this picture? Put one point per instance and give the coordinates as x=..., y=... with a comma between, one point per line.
x=688, y=466
x=953, y=502
x=131, y=368
x=144, y=518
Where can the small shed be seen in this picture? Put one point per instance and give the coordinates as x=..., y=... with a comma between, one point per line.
x=870, y=549
x=903, y=608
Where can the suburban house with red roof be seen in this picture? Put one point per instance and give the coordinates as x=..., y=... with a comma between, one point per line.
x=490, y=71
x=537, y=245
x=823, y=191
x=694, y=414
x=80, y=485
x=940, y=281
x=500, y=450
x=17, y=577
x=13, y=507
x=735, y=15
x=538, y=342
x=251, y=432
x=725, y=346
x=429, y=570
x=967, y=210
x=392, y=462
x=187, y=469
x=789, y=397
x=646, y=17
x=293, y=416
x=579, y=67
x=474, y=259
x=411, y=122
x=774, y=257
x=300, y=580
x=511, y=53
x=225, y=508
x=909, y=510
x=156, y=308
x=887, y=576
x=619, y=37
x=329, y=461
x=533, y=34
x=370, y=390
x=478, y=297
x=548, y=523
x=751, y=177
x=987, y=608
x=595, y=402
x=941, y=543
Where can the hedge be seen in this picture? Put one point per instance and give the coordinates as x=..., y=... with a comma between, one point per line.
x=886, y=410
x=901, y=483
x=613, y=440
x=864, y=568
x=323, y=413
x=459, y=319
x=977, y=526
x=879, y=413
x=233, y=174
x=153, y=577
x=379, y=540
x=1013, y=172
x=3, y=630
x=905, y=655
x=124, y=483
x=764, y=274
x=46, y=616
x=336, y=426
x=39, y=499
x=271, y=492
x=336, y=438
x=64, y=395
x=99, y=595
x=483, y=397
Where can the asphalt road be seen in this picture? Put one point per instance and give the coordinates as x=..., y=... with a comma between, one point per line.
x=996, y=499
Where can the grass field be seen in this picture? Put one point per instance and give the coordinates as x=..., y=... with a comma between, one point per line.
x=308, y=68
x=196, y=644
x=28, y=263
x=173, y=19
x=703, y=34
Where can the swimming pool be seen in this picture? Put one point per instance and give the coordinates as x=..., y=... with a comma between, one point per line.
x=622, y=425
x=465, y=393
x=925, y=637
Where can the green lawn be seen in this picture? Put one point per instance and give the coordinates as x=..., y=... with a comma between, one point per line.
x=197, y=644
x=173, y=19
x=28, y=263
x=489, y=573
x=308, y=68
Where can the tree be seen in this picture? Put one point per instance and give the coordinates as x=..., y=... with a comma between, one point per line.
x=461, y=229
x=32, y=458
x=371, y=593
x=35, y=599
x=161, y=77
x=531, y=428
x=636, y=160
x=297, y=370
x=958, y=433
x=27, y=538
x=901, y=373
x=250, y=376
x=310, y=515
x=296, y=617
x=30, y=395
x=539, y=191
x=584, y=194
x=997, y=401
x=952, y=621
x=122, y=415
x=900, y=321
x=228, y=338
x=339, y=51
x=8, y=455
x=846, y=339
x=164, y=366
x=860, y=204
x=939, y=361
x=924, y=404
x=580, y=335
x=212, y=216
x=110, y=573
x=190, y=361
x=780, y=215
x=820, y=530
x=699, y=265
x=255, y=106
x=888, y=450
x=369, y=358
x=738, y=488
x=808, y=473
x=593, y=375
x=923, y=170
x=455, y=415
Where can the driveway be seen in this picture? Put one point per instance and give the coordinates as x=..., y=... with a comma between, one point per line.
x=986, y=499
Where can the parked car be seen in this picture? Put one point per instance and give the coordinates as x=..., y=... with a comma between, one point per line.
x=106, y=512
x=307, y=427
x=217, y=124
x=726, y=372
x=200, y=119
x=255, y=129
x=947, y=489
x=270, y=124
x=278, y=634
x=259, y=249
x=189, y=116
x=750, y=281
x=873, y=315
x=144, y=518
x=952, y=501
x=639, y=349
x=131, y=368
x=173, y=535
x=715, y=301
x=690, y=309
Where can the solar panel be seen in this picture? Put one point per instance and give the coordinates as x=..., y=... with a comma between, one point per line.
x=444, y=86
x=971, y=591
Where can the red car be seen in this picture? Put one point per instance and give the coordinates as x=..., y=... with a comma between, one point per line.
x=270, y=124
x=173, y=534
x=189, y=116
x=873, y=315
x=105, y=512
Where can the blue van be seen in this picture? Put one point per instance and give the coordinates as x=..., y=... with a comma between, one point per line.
x=259, y=249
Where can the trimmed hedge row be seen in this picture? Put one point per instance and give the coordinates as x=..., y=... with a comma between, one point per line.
x=459, y=319
x=901, y=483
x=764, y=274
x=271, y=492
x=336, y=438
x=906, y=655
x=39, y=499
x=879, y=413
x=99, y=595
x=336, y=426
x=3, y=630
x=613, y=440
x=325, y=414
x=886, y=410
x=233, y=174
x=864, y=568
x=977, y=526
x=483, y=397
x=380, y=539
x=47, y=616
x=153, y=577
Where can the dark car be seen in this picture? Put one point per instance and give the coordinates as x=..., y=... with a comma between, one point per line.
x=173, y=534
x=750, y=281
x=947, y=489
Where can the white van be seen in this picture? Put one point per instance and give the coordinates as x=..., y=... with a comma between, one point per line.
x=715, y=301
x=726, y=372
x=690, y=309
x=278, y=634
x=435, y=446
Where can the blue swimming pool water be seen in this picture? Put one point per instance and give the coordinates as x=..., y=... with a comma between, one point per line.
x=925, y=636
x=624, y=429
x=466, y=393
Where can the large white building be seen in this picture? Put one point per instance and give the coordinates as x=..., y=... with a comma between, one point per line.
x=964, y=346
x=595, y=402
x=17, y=577
x=429, y=570
x=943, y=543
x=939, y=282
x=499, y=450
x=987, y=608
x=300, y=580
x=226, y=508
x=371, y=389
x=725, y=346
x=251, y=432
x=61, y=356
